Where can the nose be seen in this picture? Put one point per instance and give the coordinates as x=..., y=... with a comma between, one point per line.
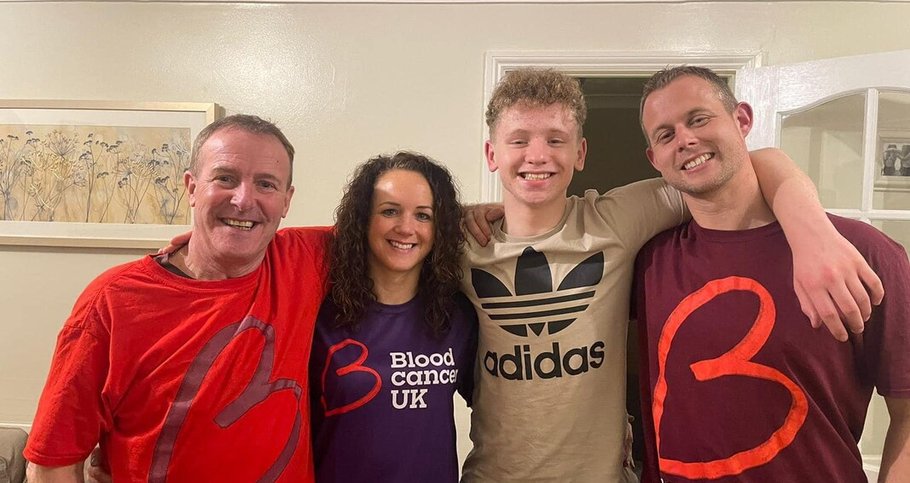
x=537, y=151
x=242, y=198
x=405, y=225
x=685, y=138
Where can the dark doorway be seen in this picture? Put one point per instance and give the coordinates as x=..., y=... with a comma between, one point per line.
x=616, y=157
x=616, y=146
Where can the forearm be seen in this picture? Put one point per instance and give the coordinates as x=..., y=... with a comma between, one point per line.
x=896, y=454
x=791, y=195
x=57, y=474
x=834, y=284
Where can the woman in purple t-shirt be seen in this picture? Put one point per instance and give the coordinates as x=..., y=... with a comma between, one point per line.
x=394, y=340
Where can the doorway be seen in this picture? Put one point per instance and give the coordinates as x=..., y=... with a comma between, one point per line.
x=616, y=145
x=616, y=157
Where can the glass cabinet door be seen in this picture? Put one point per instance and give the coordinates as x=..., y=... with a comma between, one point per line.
x=827, y=143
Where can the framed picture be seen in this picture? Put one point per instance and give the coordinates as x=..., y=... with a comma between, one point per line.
x=96, y=173
x=892, y=168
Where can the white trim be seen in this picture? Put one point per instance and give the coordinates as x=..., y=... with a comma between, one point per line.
x=871, y=465
x=596, y=64
x=899, y=215
x=770, y=89
x=870, y=146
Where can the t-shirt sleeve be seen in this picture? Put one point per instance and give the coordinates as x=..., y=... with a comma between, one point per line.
x=311, y=246
x=640, y=210
x=71, y=413
x=886, y=338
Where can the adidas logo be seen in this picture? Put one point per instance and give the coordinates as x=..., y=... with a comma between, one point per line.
x=535, y=305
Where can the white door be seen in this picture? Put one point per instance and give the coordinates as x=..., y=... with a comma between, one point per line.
x=846, y=121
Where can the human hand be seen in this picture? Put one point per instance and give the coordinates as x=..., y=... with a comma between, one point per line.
x=94, y=471
x=628, y=461
x=835, y=285
x=479, y=218
x=176, y=242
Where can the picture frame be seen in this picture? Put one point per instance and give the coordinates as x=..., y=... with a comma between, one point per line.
x=892, y=164
x=96, y=173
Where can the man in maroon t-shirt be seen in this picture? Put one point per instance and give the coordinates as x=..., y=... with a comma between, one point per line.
x=736, y=385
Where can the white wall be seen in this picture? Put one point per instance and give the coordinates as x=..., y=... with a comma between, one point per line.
x=345, y=82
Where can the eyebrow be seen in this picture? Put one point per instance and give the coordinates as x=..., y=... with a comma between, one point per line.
x=689, y=114
x=267, y=176
x=395, y=203
x=221, y=169
x=548, y=132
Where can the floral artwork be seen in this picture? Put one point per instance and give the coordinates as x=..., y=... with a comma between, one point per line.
x=94, y=174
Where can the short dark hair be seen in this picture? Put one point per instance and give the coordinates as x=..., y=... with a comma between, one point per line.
x=537, y=87
x=245, y=122
x=664, y=77
x=440, y=275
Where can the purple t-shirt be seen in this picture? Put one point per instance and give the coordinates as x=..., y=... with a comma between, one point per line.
x=383, y=395
x=736, y=384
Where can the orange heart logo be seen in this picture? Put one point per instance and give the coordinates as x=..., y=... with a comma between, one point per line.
x=737, y=361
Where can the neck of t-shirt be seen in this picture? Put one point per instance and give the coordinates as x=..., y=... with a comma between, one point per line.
x=200, y=264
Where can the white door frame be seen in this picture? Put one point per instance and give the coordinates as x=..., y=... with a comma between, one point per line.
x=597, y=64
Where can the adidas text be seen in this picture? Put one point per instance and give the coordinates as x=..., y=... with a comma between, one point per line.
x=522, y=364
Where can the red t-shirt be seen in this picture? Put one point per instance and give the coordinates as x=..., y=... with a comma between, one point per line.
x=736, y=384
x=189, y=380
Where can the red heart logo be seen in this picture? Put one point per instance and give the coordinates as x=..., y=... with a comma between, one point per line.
x=259, y=389
x=356, y=366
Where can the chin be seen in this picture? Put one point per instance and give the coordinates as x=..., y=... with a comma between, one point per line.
x=540, y=199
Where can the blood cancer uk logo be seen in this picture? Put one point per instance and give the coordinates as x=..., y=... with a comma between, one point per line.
x=536, y=310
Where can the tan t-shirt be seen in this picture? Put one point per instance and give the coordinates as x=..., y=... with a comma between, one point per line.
x=549, y=400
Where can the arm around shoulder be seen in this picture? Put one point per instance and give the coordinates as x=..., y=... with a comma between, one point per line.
x=830, y=277
x=640, y=210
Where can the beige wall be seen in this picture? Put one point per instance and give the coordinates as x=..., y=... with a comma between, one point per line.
x=344, y=81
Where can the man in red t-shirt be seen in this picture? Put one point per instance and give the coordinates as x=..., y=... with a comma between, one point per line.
x=192, y=366
x=736, y=385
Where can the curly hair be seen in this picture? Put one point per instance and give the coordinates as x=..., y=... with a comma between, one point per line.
x=440, y=274
x=244, y=122
x=537, y=87
x=664, y=77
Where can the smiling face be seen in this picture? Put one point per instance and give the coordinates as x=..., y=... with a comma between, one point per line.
x=239, y=195
x=695, y=142
x=536, y=150
x=402, y=226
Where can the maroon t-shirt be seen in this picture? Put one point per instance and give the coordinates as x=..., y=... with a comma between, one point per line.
x=737, y=386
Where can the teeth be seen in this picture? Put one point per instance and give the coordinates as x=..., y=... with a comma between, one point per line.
x=697, y=161
x=402, y=246
x=535, y=176
x=243, y=225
